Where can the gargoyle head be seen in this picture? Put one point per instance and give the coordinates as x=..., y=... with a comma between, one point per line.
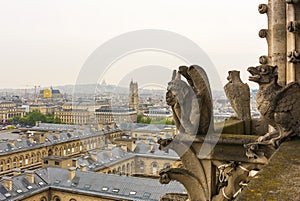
x=263, y=74
x=164, y=176
x=233, y=76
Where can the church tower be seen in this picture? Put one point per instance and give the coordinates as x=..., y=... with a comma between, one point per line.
x=283, y=38
x=133, y=96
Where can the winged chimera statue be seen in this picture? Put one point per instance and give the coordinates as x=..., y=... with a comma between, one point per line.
x=279, y=106
x=191, y=104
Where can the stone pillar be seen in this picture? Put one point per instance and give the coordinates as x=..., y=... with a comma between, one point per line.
x=283, y=37
x=276, y=36
x=279, y=37
x=293, y=43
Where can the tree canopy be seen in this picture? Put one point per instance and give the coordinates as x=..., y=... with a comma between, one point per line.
x=35, y=116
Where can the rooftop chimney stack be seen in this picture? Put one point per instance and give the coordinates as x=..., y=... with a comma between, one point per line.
x=83, y=167
x=72, y=173
x=16, y=171
x=29, y=176
x=7, y=182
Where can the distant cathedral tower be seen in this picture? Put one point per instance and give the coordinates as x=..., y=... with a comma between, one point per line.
x=133, y=96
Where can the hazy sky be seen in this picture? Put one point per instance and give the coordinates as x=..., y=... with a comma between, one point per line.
x=46, y=42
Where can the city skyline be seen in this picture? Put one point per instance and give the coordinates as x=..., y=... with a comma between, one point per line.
x=47, y=43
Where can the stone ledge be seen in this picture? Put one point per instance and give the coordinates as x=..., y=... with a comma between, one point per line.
x=280, y=179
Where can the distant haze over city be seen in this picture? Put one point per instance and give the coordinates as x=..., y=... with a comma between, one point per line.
x=46, y=43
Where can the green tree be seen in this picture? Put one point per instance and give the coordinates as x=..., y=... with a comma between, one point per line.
x=139, y=118
x=35, y=116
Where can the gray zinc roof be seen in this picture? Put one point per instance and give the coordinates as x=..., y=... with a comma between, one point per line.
x=122, y=187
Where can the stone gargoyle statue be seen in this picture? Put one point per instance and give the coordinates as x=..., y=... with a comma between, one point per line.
x=192, y=107
x=279, y=107
x=238, y=94
x=191, y=103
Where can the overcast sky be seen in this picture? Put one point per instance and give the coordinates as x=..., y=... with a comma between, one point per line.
x=46, y=42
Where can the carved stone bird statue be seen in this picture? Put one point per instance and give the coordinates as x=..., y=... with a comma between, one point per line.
x=279, y=106
x=238, y=94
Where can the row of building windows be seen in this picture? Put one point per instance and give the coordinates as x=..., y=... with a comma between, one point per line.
x=36, y=157
x=129, y=168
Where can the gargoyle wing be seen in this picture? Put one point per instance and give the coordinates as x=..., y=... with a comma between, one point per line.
x=288, y=101
x=198, y=80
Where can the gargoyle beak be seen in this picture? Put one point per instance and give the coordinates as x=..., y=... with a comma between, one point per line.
x=255, y=74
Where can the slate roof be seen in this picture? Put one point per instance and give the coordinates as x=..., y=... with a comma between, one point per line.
x=120, y=187
x=143, y=127
x=106, y=158
x=55, y=127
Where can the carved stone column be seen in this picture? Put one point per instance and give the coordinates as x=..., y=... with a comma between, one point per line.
x=283, y=38
x=275, y=35
x=293, y=43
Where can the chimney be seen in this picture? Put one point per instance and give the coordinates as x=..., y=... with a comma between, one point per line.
x=57, y=134
x=16, y=171
x=29, y=174
x=72, y=173
x=83, y=167
x=39, y=137
x=75, y=162
x=124, y=147
x=7, y=183
x=93, y=156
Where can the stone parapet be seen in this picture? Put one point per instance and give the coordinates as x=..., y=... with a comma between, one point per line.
x=279, y=180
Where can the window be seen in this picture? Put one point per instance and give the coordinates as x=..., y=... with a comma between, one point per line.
x=147, y=195
x=154, y=168
x=115, y=190
x=15, y=163
x=45, y=161
x=8, y=164
x=56, y=163
x=26, y=160
x=105, y=188
x=142, y=166
x=21, y=162
x=167, y=165
x=57, y=181
x=1, y=166
x=56, y=198
x=43, y=199
x=132, y=192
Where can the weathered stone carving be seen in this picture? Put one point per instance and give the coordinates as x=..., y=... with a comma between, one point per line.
x=238, y=94
x=293, y=56
x=232, y=178
x=192, y=175
x=184, y=104
x=263, y=8
x=292, y=26
x=264, y=59
x=193, y=114
x=279, y=106
x=191, y=104
x=263, y=33
x=292, y=1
